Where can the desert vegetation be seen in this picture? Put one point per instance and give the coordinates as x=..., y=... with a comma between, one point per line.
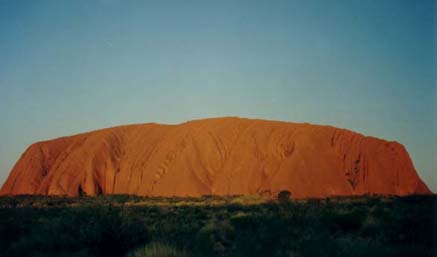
x=132, y=226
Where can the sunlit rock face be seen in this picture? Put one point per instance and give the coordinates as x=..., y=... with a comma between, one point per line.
x=220, y=156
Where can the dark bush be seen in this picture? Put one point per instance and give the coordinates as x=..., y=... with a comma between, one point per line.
x=284, y=196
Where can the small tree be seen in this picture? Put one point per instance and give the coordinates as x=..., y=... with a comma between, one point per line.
x=284, y=196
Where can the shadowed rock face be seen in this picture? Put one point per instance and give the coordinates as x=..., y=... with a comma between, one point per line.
x=216, y=156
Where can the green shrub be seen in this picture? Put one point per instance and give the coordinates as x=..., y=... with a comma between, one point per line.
x=215, y=239
x=99, y=231
x=343, y=221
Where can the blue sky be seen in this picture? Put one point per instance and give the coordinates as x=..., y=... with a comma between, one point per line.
x=71, y=66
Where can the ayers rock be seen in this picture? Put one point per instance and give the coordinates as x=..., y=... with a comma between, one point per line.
x=218, y=156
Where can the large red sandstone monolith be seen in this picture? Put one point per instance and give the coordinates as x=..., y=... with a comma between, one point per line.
x=218, y=156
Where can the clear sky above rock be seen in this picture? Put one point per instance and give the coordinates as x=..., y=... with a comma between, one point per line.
x=71, y=66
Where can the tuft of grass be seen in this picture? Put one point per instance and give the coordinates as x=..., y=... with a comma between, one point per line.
x=157, y=249
x=248, y=200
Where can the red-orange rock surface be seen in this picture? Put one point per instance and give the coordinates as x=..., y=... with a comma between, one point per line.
x=216, y=156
